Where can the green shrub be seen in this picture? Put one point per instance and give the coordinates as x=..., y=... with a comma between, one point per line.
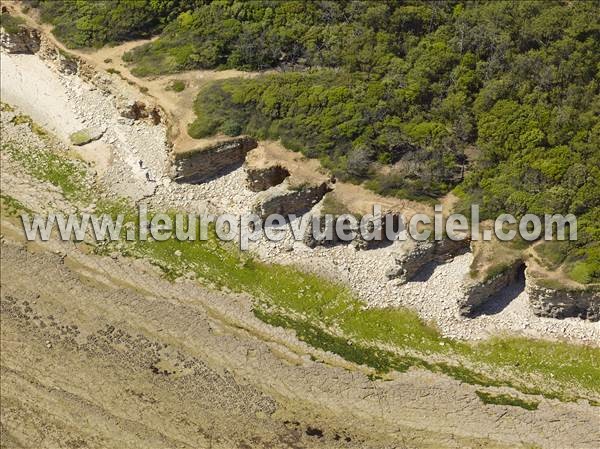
x=176, y=86
x=96, y=23
x=11, y=24
x=202, y=128
x=231, y=128
x=582, y=272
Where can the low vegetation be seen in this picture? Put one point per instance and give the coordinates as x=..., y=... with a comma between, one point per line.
x=176, y=86
x=69, y=175
x=21, y=119
x=12, y=206
x=505, y=399
x=331, y=205
x=9, y=23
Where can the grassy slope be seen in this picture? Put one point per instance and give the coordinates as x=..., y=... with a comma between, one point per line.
x=330, y=317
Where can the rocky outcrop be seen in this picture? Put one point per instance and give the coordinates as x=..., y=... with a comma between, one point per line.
x=555, y=302
x=477, y=290
x=286, y=201
x=202, y=164
x=86, y=135
x=23, y=40
x=138, y=110
x=331, y=239
x=260, y=179
x=409, y=263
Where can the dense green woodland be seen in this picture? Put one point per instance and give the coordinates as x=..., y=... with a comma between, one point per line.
x=499, y=101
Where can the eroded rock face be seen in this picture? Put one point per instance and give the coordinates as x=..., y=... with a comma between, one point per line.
x=409, y=263
x=260, y=179
x=563, y=303
x=291, y=201
x=324, y=235
x=331, y=239
x=137, y=110
x=26, y=40
x=478, y=291
x=202, y=164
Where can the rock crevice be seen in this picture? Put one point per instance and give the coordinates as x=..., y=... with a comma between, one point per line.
x=260, y=179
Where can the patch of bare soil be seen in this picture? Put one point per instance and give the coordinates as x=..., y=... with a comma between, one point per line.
x=177, y=105
x=537, y=269
x=355, y=198
x=302, y=170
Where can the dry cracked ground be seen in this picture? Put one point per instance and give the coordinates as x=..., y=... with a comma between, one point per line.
x=103, y=351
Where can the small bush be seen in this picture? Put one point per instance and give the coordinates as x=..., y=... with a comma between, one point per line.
x=176, y=86
x=202, y=128
x=10, y=23
x=231, y=128
x=582, y=273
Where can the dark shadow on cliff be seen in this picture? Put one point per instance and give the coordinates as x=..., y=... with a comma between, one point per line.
x=499, y=301
x=206, y=178
x=426, y=271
